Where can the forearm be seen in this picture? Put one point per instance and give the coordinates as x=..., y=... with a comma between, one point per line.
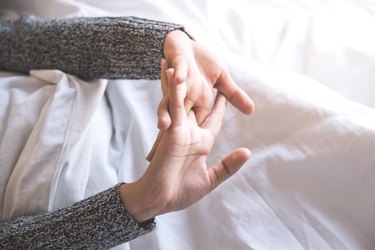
x=108, y=47
x=98, y=222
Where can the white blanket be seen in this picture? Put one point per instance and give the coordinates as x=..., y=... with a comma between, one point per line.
x=310, y=179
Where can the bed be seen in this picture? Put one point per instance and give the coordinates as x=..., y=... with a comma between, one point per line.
x=308, y=66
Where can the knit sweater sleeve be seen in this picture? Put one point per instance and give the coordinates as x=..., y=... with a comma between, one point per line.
x=100, y=47
x=98, y=222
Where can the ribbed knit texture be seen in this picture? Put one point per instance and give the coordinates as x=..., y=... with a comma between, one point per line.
x=110, y=47
x=98, y=222
x=104, y=47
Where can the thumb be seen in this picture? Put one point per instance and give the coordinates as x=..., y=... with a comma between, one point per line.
x=227, y=167
x=234, y=94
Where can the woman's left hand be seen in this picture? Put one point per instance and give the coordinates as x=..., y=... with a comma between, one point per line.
x=202, y=71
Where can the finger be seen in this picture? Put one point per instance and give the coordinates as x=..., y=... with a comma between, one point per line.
x=188, y=104
x=202, y=107
x=228, y=166
x=215, y=118
x=177, y=94
x=191, y=116
x=163, y=76
x=155, y=146
x=234, y=94
x=180, y=66
x=201, y=114
x=164, y=119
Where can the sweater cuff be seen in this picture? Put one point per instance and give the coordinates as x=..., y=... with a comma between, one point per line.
x=100, y=47
x=122, y=227
x=140, y=50
x=142, y=227
x=98, y=222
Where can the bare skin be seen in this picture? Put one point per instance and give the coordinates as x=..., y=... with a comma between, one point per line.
x=196, y=66
x=177, y=175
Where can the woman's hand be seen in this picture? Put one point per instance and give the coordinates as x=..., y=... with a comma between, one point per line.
x=178, y=175
x=201, y=71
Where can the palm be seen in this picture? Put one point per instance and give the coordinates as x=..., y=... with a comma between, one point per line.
x=180, y=158
x=178, y=175
x=196, y=67
x=200, y=81
x=202, y=71
x=188, y=148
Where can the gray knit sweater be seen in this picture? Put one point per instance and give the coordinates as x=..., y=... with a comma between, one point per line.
x=112, y=47
x=105, y=47
x=98, y=222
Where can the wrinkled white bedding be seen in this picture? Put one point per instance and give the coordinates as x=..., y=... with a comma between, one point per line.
x=310, y=180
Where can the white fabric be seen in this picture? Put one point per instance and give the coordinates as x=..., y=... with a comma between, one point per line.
x=44, y=121
x=310, y=180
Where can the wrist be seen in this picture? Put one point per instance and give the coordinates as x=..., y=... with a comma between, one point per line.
x=176, y=42
x=177, y=33
x=137, y=202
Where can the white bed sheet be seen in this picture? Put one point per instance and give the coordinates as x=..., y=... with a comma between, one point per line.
x=310, y=180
